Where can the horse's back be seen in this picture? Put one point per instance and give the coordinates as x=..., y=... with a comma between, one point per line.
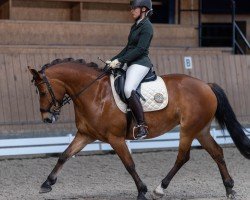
x=183, y=82
x=180, y=77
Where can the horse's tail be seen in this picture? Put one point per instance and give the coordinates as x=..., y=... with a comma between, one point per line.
x=225, y=116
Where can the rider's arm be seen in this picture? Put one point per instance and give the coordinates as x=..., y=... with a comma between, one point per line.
x=120, y=54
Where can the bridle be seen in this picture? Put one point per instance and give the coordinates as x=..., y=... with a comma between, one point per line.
x=55, y=105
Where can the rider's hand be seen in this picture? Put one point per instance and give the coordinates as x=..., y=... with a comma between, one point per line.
x=114, y=64
x=108, y=62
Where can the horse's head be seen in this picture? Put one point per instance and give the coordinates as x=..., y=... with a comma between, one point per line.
x=51, y=93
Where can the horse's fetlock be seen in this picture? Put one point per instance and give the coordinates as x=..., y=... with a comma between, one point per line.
x=144, y=188
x=46, y=184
x=229, y=183
x=164, y=184
x=51, y=180
x=141, y=196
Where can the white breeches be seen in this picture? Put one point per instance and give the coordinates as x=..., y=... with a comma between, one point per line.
x=134, y=75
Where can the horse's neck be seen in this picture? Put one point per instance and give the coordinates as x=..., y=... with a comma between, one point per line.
x=81, y=83
x=75, y=77
x=78, y=85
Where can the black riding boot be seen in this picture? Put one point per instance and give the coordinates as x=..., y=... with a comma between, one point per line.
x=137, y=110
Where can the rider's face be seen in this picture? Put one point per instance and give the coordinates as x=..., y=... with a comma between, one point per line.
x=136, y=12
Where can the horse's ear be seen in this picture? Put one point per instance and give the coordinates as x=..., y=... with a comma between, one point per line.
x=34, y=73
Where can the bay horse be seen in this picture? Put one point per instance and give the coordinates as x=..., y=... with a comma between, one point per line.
x=193, y=105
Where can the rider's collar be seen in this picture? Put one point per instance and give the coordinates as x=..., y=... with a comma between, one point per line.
x=138, y=21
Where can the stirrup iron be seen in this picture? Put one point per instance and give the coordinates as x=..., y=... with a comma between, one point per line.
x=136, y=127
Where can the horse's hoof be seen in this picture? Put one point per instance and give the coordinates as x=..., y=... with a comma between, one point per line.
x=158, y=193
x=141, y=196
x=46, y=186
x=45, y=189
x=156, y=196
x=231, y=195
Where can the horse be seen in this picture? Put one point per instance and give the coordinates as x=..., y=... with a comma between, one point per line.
x=193, y=104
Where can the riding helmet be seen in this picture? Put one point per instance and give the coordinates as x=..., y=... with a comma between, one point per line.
x=141, y=3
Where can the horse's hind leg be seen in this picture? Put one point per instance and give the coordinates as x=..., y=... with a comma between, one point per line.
x=79, y=142
x=120, y=147
x=216, y=152
x=182, y=158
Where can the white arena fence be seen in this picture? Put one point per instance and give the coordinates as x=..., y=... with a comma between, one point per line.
x=46, y=145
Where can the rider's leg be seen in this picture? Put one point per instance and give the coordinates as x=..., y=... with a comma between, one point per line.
x=134, y=76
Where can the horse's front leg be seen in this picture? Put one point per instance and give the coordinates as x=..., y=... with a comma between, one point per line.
x=120, y=147
x=79, y=142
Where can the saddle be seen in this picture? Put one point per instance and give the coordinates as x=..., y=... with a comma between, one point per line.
x=119, y=82
x=152, y=91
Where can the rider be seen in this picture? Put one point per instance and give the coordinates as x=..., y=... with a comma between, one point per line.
x=135, y=55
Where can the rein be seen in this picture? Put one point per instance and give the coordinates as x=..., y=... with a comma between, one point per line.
x=67, y=99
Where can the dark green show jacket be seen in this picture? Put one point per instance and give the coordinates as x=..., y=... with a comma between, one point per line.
x=136, y=50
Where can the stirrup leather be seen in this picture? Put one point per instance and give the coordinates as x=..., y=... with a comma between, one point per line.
x=136, y=127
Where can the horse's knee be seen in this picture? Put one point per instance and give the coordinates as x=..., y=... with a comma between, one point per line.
x=63, y=158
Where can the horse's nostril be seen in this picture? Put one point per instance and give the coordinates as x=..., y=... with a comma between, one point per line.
x=47, y=120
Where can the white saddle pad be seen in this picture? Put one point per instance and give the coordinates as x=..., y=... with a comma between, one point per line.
x=155, y=93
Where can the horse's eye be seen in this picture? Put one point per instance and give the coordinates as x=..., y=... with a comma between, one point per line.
x=42, y=94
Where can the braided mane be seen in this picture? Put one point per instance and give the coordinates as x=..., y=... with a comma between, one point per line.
x=66, y=60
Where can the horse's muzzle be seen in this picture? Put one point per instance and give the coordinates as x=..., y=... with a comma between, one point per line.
x=50, y=120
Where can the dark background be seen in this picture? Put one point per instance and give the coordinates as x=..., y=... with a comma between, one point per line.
x=224, y=6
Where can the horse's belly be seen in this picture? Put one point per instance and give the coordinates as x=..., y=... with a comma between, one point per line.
x=155, y=129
